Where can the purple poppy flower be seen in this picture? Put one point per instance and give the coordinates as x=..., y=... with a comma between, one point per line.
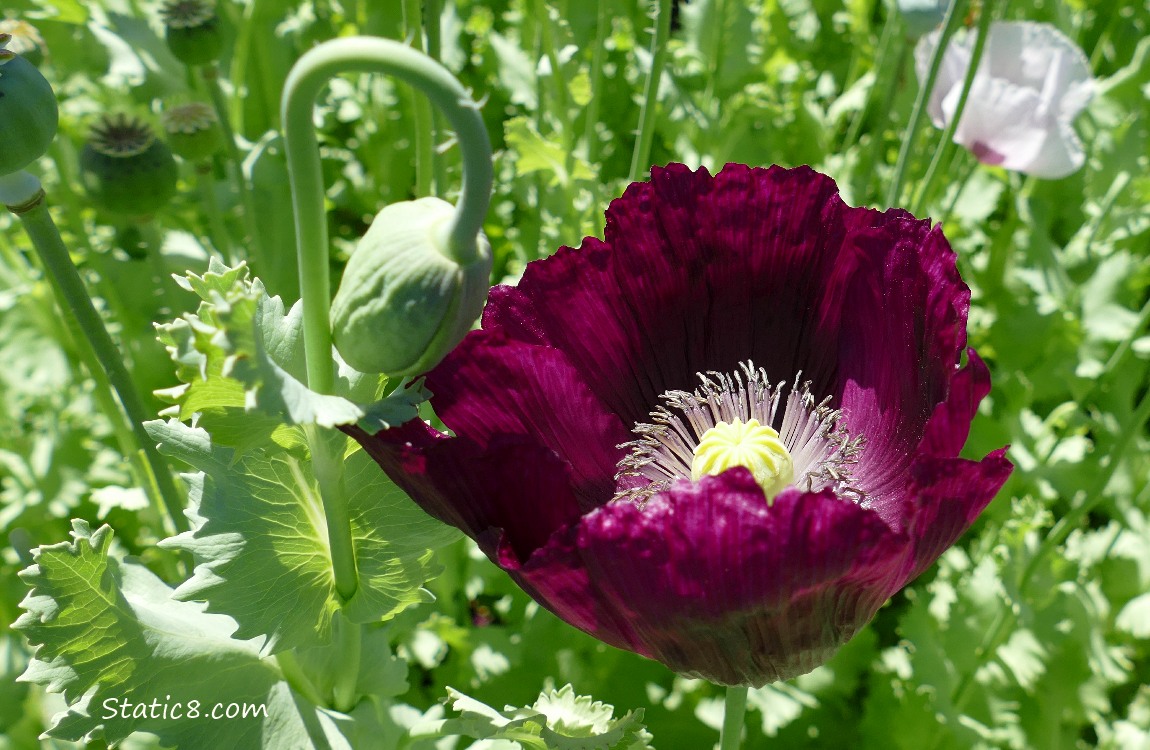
x=578, y=417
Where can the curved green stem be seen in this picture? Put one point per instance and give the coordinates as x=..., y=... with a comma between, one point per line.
x=734, y=711
x=33, y=214
x=307, y=77
x=641, y=158
x=944, y=144
x=954, y=14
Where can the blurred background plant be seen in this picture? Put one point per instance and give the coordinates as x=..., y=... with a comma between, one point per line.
x=1033, y=632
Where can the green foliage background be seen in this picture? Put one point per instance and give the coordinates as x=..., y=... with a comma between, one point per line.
x=1033, y=632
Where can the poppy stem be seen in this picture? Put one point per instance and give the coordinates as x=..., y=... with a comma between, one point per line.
x=24, y=197
x=734, y=711
x=307, y=78
x=954, y=15
x=641, y=159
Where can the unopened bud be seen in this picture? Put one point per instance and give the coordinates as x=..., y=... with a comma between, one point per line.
x=28, y=114
x=193, y=131
x=404, y=303
x=126, y=169
x=192, y=31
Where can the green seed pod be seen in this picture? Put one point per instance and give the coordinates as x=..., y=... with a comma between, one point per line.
x=28, y=114
x=404, y=303
x=193, y=131
x=192, y=31
x=25, y=40
x=126, y=169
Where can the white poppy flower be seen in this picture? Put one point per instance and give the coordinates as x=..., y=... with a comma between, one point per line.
x=1031, y=83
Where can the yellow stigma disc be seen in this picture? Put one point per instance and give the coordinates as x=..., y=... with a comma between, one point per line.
x=749, y=444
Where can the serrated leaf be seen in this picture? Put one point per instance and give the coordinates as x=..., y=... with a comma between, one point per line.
x=534, y=153
x=558, y=719
x=107, y=631
x=241, y=360
x=259, y=538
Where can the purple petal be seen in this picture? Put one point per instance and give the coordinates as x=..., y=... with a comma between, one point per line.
x=711, y=581
x=696, y=274
x=900, y=343
x=513, y=492
x=948, y=494
x=492, y=386
x=949, y=426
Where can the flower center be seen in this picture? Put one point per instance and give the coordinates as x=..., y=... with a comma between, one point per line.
x=748, y=444
x=734, y=419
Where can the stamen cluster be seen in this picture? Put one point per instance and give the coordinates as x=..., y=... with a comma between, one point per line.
x=822, y=450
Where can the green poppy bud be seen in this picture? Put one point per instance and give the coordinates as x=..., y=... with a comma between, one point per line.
x=404, y=303
x=126, y=169
x=193, y=131
x=28, y=114
x=192, y=31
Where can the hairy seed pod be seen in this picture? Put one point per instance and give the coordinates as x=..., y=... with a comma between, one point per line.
x=126, y=169
x=192, y=30
x=193, y=131
x=404, y=303
x=28, y=113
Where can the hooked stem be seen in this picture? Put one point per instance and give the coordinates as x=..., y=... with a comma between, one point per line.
x=307, y=78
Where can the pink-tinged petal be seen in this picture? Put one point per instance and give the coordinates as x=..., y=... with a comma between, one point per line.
x=949, y=426
x=492, y=386
x=1032, y=81
x=899, y=345
x=513, y=491
x=712, y=582
x=947, y=496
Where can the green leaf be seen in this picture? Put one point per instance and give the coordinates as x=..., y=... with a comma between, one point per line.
x=558, y=719
x=110, y=638
x=241, y=352
x=259, y=536
x=537, y=154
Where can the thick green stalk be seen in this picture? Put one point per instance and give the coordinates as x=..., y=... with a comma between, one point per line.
x=350, y=639
x=309, y=75
x=641, y=158
x=327, y=464
x=945, y=142
x=33, y=214
x=954, y=14
x=734, y=711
